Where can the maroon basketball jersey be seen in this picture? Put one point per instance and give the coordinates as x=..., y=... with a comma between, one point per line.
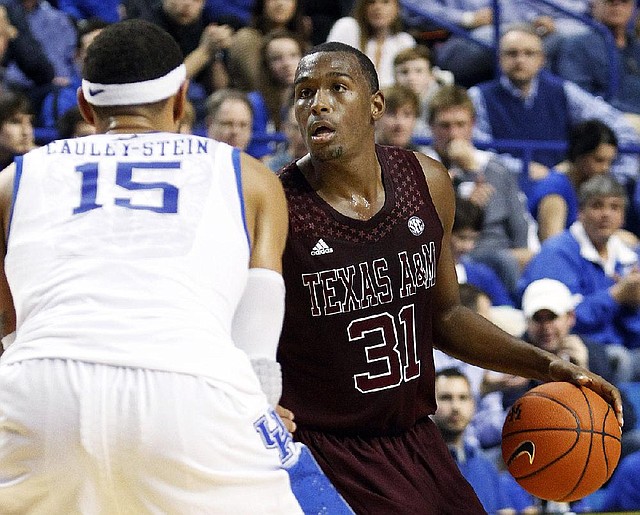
x=356, y=348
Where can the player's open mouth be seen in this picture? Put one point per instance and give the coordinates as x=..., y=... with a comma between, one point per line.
x=322, y=133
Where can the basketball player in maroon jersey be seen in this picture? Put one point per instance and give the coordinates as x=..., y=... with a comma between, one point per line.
x=371, y=290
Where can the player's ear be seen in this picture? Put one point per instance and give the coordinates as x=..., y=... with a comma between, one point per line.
x=85, y=108
x=377, y=105
x=180, y=101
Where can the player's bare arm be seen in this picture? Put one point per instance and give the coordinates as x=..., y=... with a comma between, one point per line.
x=7, y=311
x=266, y=213
x=490, y=347
x=258, y=318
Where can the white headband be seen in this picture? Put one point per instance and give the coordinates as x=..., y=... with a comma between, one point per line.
x=144, y=92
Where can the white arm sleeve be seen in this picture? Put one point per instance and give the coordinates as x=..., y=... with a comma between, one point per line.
x=257, y=324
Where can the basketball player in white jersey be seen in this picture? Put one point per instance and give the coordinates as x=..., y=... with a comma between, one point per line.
x=144, y=267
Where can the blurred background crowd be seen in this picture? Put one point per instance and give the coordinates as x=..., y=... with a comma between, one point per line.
x=532, y=105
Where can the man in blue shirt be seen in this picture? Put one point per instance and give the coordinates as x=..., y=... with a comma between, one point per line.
x=456, y=408
x=585, y=59
x=595, y=264
x=529, y=103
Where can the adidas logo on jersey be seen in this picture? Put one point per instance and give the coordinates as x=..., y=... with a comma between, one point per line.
x=321, y=248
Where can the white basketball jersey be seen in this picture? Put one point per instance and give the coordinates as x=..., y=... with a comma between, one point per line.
x=130, y=250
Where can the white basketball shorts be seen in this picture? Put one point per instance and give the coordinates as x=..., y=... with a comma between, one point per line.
x=95, y=439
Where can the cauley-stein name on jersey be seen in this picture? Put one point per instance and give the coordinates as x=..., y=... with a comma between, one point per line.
x=369, y=284
x=128, y=147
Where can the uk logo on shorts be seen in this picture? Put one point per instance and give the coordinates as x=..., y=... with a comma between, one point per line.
x=276, y=436
x=416, y=225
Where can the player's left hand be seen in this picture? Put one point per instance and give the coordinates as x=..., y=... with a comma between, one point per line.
x=563, y=370
x=287, y=417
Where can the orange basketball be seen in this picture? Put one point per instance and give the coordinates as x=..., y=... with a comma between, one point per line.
x=561, y=442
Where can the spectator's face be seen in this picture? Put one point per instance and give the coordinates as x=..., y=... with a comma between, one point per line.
x=521, y=57
x=381, y=13
x=183, y=12
x=456, y=406
x=396, y=127
x=16, y=135
x=453, y=123
x=596, y=162
x=282, y=56
x=415, y=74
x=279, y=12
x=601, y=217
x=547, y=330
x=463, y=241
x=613, y=14
x=232, y=124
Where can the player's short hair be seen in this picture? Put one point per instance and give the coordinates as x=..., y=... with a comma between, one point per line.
x=447, y=97
x=601, y=185
x=366, y=65
x=131, y=51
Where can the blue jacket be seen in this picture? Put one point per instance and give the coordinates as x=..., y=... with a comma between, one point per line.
x=623, y=492
x=484, y=477
x=598, y=316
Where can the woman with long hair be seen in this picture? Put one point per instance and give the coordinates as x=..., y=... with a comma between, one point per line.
x=243, y=60
x=375, y=28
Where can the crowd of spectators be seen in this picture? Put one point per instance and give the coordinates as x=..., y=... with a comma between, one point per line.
x=568, y=215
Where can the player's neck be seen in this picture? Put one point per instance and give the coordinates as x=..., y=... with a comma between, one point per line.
x=355, y=189
x=132, y=124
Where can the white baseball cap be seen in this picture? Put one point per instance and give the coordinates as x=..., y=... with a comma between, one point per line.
x=547, y=294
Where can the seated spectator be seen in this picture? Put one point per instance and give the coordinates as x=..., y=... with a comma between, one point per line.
x=455, y=411
x=623, y=490
x=412, y=68
x=57, y=36
x=595, y=264
x=202, y=40
x=531, y=104
x=548, y=306
x=280, y=53
x=229, y=117
x=481, y=177
x=63, y=98
x=293, y=147
x=584, y=59
x=552, y=200
x=375, y=28
x=17, y=45
x=401, y=111
x=243, y=63
x=467, y=225
x=16, y=127
x=72, y=125
x=472, y=63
